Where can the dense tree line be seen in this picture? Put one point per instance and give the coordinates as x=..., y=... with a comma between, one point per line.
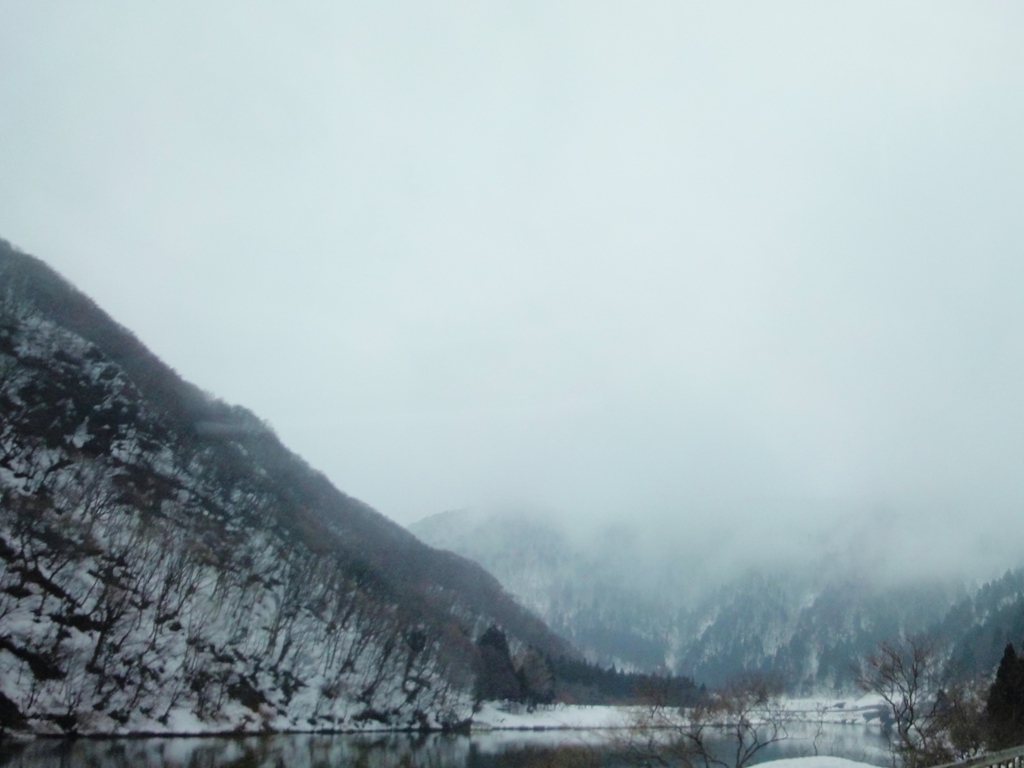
x=580, y=681
x=535, y=678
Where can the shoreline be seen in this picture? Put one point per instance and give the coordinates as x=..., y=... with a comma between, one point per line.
x=508, y=717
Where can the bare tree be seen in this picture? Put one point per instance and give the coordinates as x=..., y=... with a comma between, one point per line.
x=904, y=673
x=961, y=715
x=727, y=728
x=821, y=711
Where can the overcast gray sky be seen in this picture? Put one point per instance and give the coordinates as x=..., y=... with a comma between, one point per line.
x=602, y=258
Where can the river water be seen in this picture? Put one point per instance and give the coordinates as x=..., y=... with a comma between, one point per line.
x=495, y=749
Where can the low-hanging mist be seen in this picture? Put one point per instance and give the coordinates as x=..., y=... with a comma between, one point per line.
x=803, y=605
x=613, y=261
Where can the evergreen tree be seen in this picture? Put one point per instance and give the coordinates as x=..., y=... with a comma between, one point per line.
x=536, y=677
x=1005, y=707
x=497, y=679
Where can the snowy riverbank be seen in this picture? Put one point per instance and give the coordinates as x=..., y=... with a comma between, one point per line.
x=510, y=716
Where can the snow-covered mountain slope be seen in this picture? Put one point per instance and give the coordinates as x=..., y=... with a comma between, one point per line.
x=589, y=594
x=167, y=565
x=977, y=629
x=809, y=627
x=622, y=601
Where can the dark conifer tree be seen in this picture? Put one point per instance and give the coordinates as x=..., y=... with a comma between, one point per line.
x=1005, y=707
x=497, y=679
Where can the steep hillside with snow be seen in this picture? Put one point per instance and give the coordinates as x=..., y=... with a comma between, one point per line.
x=167, y=565
x=589, y=593
x=621, y=601
x=977, y=629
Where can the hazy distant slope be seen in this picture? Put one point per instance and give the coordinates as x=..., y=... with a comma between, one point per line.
x=977, y=629
x=588, y=595
x=621, y=603
x=165, y=563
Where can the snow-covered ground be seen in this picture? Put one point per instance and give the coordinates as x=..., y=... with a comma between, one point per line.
x=505, y=716
x=838, y=710
x=823, y=761
x=508, y=716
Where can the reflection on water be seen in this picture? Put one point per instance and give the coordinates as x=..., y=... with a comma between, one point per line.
x=491, y=750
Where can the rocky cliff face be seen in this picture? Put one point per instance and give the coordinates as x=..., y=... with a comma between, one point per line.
x=167, y=565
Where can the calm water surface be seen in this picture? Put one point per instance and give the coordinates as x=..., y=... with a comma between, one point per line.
x=498, y=749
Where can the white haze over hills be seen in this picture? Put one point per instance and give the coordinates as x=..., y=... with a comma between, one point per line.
x=722, y=539
x=661, y=266
x=712, y=607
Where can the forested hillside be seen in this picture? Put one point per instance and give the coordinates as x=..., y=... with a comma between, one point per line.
x=977, y=629
x=619, y=602
x=166, y=564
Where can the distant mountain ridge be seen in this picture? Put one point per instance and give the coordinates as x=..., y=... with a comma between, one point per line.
x=809, y=623
x=167, y=564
